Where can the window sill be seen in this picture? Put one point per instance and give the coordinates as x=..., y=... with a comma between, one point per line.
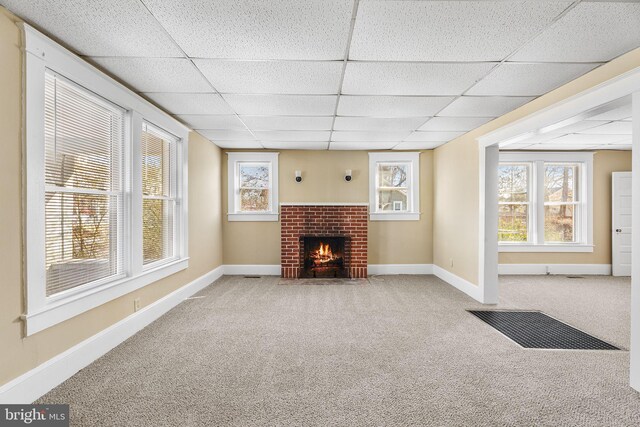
x=251, y=217
x=392, y=216
x=544, y=248
x=59, y=309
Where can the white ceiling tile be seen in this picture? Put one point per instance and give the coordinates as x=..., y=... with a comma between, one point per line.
x=547, y=136
x=363, y=145
x=288, y=122
x=590, y=32
x=389, y=78
x=454, y=123
x=576, y=127
x=226, y=135
x=295, y=145
x=156, y=74
x=371, y=123
x=619, y=113
x=201, y=121
x=250, y=29
x=190, y=103
x=273, y=105
x=418, y=145
x=613, y=128
x=488, y=106
x=447, y=30
x=528, y=79
x=433, y=136
x=391, y=106
x=239, y=145
x=292, y=135
x=369, y=136
x=563, y=147
x=285, y=77
x=98, y=27
x=579, y=139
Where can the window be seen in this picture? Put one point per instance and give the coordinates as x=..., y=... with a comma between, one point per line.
x=105, y=195
x=514, y=201
x=158, y=194
x=84, y=140
x=393, y=186
x=545, y=202
x=253, y=186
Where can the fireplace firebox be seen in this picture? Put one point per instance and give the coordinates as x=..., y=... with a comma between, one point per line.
x=324, y=257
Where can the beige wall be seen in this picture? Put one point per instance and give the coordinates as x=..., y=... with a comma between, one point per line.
x=19, y=353
x=457, y=179
x=390, y=242
x=604, y=163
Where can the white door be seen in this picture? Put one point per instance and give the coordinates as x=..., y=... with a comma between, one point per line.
x=621, y=217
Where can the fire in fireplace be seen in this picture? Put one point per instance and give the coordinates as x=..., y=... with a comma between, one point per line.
x=324, y=257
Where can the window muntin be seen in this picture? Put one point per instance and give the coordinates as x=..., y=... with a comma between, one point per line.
x=84, y=219
x=393, y=186
x=514, y=202
x=254, y=188
x=158, y=150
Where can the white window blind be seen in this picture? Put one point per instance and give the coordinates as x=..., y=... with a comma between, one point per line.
x=84, y=220
x=158, y=194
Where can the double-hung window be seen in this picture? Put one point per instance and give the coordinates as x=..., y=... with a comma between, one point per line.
x=253, y=186
x=105, y=191
x=158, y=194
x=84, y=194
x=394, y=186
x=545, y=202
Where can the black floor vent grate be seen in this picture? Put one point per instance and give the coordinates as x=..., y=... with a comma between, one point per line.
x=533, y=329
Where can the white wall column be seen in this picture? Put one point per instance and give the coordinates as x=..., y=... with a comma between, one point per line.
x=634, y=355
x=488, y=262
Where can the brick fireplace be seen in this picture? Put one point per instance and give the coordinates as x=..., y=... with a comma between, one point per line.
x=344, y=222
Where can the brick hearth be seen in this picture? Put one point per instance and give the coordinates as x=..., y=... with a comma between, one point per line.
x=323, y=220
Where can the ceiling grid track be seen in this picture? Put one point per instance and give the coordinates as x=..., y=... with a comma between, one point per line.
x=354, y=15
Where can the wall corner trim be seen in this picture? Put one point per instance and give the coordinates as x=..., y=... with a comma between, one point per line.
x=474, y=291
x=535, y=269
x=38, y=381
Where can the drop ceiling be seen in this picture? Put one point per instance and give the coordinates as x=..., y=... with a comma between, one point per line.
x=344, y=74
x=607, y=127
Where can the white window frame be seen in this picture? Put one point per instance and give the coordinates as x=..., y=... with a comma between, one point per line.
x=41, y=53
x=584, y=227
x=413, y=201
x=173, y=196
x=234, y=160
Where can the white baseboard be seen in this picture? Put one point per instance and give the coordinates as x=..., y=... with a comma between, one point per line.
x=248, y=269
x=533, y=269
x=375, y=269
x=459, y=283
x=38, y=381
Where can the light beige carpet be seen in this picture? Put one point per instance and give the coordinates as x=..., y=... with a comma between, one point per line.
x=398, y=351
